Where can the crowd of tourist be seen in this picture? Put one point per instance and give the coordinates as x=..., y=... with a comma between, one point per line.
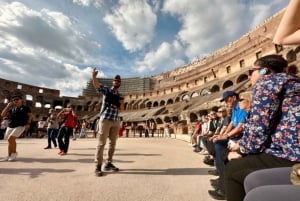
x=258, y=134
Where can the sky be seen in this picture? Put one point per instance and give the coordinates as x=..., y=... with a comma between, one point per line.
x=57, y=43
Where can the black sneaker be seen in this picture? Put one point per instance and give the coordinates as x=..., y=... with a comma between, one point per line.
x=213, y=172
x=98, y=171
x=110, y=166
x=47, y=147
x=217, y=194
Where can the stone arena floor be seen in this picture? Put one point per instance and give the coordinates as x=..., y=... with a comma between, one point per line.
x=151, y=169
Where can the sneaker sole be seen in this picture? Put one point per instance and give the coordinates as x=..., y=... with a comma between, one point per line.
x=99, y=174
x=109, y=169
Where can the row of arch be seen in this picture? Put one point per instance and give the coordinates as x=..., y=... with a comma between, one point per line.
x=186, y=96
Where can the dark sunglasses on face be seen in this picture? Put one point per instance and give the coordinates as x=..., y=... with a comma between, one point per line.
x=16, y=99
x=117, y=81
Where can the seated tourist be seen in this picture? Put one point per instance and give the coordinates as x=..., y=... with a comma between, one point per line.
x=233, y=130
x=223, y=122
x=270, y=134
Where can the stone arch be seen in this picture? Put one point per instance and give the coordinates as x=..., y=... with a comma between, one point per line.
x=57, y=103
x=28, y=97
x=194, y=94
x=177, y=99
x=205, y=91
x=126, y=104
x=155, y=104
x=175, y=118
x=162, y=103
x=193, y=117
x=241, y=78
x=167, y=119
x=158, y=121
x=227, y=84
x=291, y=56
x=185, y=98
x=58, y=107
x=130, y=105
x=215, y=88
x=149, y=104
x=142, y=105
x=170, y=101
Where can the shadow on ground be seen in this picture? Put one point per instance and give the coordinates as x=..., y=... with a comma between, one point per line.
x=169, y=171
x=34, y=172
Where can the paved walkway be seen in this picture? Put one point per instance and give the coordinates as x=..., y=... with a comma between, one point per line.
x=152, y=169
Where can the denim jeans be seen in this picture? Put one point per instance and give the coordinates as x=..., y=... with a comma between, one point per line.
x=52, y=133
x=220, y=146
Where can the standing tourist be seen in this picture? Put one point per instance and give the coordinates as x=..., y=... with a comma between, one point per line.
x=19, y=118
x=109, y=122
x=66, y=130
x=52, y=128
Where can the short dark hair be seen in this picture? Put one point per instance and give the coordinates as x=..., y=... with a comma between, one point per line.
x=273, y=61
x=17, y=94
x=117, y=77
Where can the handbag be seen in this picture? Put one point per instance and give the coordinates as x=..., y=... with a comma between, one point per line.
x=295, y=178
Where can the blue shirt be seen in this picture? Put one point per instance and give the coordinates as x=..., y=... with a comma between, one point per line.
x=273, y=126
x=110, y=104
x=238, y=115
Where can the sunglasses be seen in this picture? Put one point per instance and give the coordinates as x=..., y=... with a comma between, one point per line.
x=16, y=99
x=117, y=81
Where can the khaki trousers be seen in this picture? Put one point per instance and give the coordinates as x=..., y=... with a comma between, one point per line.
x=107, y=129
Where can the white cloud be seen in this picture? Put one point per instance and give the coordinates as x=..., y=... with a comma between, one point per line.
x=163, y=59
x=206, y=25
x=36, y=46
x=132, y=22
x=87, y=3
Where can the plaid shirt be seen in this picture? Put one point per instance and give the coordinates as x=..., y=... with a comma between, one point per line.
x=108, y=111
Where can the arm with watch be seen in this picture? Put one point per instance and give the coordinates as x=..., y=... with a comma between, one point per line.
x=231, y=132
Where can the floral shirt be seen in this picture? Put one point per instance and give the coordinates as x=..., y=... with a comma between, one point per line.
x=273, y=125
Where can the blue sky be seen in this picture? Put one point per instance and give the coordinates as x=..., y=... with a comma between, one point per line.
x=57, y=43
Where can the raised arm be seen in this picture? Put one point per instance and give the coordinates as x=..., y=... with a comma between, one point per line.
x=95, y=81
x=4, y=112
x=288, y=31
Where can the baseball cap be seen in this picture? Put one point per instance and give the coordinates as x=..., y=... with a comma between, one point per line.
x=227, y=94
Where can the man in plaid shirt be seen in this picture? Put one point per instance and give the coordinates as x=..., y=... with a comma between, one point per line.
x=109, y=122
